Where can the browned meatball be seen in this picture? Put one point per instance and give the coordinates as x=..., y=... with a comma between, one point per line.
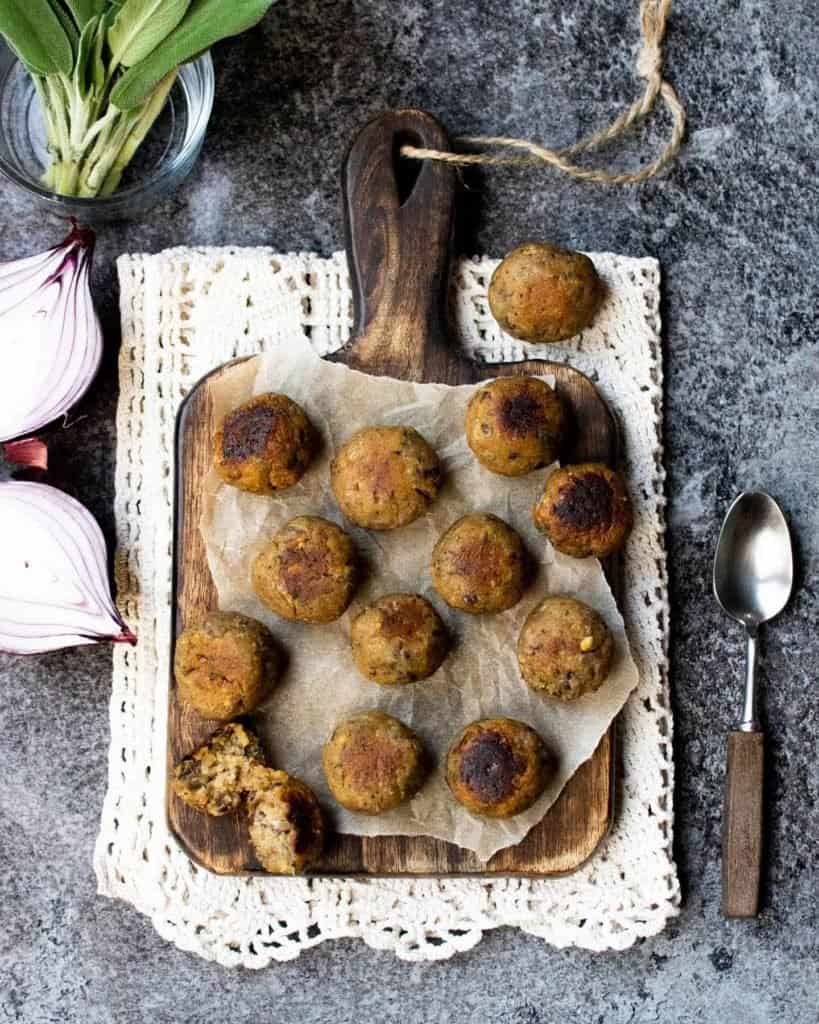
x=398, y=639
x=498, y=767
x=226, y=665
x=373, y=763
x=515, y=425
x=585, y=510
x=385, y=477
x=265, y=445
x=479, y=565
x=542, y=293
x=215, y=778
x=307, y=573
x=285, y=823
x=565, y=649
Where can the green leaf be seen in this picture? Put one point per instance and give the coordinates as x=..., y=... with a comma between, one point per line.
x=110, y=14
x=206, y=22
x=140, y=27
x=36, y=35
x=98, y=70
x=83, y=68
x=82, y=11
x=68, y=25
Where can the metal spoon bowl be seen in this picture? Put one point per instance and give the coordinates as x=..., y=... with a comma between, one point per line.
x=753, y=575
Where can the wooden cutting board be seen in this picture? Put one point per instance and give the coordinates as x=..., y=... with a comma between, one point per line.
x=399, y=222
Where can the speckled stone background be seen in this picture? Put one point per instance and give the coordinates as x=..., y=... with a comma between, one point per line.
x=734, y=224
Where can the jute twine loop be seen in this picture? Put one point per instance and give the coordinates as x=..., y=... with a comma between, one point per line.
x=653, y=19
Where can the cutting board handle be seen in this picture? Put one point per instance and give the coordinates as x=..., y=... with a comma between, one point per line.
x=399, y=216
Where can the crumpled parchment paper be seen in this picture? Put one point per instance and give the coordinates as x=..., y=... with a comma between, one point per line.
x=480, y=678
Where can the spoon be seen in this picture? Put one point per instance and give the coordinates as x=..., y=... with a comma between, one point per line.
x=753, y=578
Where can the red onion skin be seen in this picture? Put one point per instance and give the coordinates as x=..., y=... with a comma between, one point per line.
x=27, y=453
x=63, y=598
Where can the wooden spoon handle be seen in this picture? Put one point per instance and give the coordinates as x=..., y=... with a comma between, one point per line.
x=742, y=825
x=399, y=216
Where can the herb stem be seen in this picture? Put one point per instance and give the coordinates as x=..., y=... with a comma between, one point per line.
x=150, y=111
x=57, y=104
x=97, y=169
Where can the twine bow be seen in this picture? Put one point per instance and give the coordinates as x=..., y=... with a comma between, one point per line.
x=653, y=19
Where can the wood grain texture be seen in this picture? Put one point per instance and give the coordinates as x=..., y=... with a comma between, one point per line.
x=742, y=825
x=398, y=242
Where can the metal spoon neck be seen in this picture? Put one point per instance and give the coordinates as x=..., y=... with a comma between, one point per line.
x=749, y=721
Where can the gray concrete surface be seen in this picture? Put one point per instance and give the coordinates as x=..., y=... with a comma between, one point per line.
x=735, y=226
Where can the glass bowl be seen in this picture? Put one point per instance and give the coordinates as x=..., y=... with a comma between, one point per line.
x=164, y=159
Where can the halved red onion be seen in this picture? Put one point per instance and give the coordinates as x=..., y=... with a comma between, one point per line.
x=50, y=337
x=54, y=589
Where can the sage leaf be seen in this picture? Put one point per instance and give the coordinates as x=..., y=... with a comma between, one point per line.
x=140, y=26
x=205, y=23
x=98, y=71
x=37, y=36
x=83, y=68
x=82, y=11
x=68, y=25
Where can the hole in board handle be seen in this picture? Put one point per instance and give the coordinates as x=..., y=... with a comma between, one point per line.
x=405, y=170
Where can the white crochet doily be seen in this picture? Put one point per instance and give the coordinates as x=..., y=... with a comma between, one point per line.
x=184, y=312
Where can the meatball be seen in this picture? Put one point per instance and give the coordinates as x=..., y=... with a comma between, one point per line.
x=307, y=573
x=385, y=477
x=515, y=425
x=542, y=293
x=373, y=763
x=285, y=823
x=215, y=778
x=585, y=510
x=565, y=649
x=226, y=665
x=498, y=767
x=265, y=445
x=398, y=639
x=479, y=565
